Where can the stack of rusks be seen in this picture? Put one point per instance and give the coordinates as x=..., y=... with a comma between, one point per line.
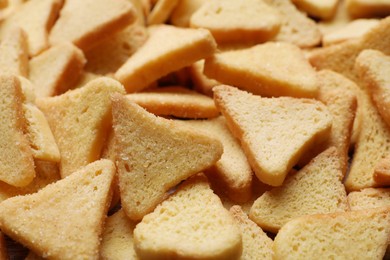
x=194, y=129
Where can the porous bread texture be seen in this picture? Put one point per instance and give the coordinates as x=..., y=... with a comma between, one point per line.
x=82, y=22
x=316, y=189
x=175, y=101
x=56, y=70
x=382, y=171
x=183, y=11
x=14, y=53
x=42, y=142
x=369, y=198
x=46, y=173
x=232, y=172
x=28, y=90
x=154, y=154
x=83, y=117
x=3, y=248
x=341, y=57
x=368, y=8
x=269, y=69
x=16, y=159
x=110, y=54
x=339, y=95
x=353, y=30
x=274, y=132
x=190, y=224
x=36, y=18
x=296, y=27
x=117, y=238
x=65, y=219
x=349, y=235
x=202, y=83
x=237, y=21
x=167, y=49
x=255, y=243
x=318, y=8
x=161, y=11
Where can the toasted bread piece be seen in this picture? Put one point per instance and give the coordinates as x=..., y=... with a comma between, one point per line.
x=341, y=57
x=57, y=69
x=36, y=18
x=238, y=21
x=80, y=120
x=117, y=239
x=28, y=90
x=270, y=69
x=161, y=11
x=202, y=83
x=41, y=138
x=303, y=193
x=64, y=219
x=110, y=54
x=82, y=22
x=339, y=95
x=183, y=11
x=191, y=223
x=369, y=198
x=16, y=159
x=274, y=132
x=368, y=8
x=349, y=235
x=175, y=101
x=3, y=248
x=318, y=8
x=232, y=172
x=353, y=30
x=339, y=20
x=14, y=53
x=382, y=171
x=154, y=154
x=168, y=49
x=372, y=145
x=256, y=244
x=296, y=27
x=46, y=173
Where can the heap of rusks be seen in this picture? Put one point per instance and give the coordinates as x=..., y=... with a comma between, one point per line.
x=195, y=129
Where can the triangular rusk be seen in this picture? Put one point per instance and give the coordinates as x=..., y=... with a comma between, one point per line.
x=348, y=235
x=270, y=69
x=80, y=120
x=274, y=132
x=154, y=154
x=191, y=224
x=303, y=193
x=369, y=198
x=64, y=220
x=14, y=53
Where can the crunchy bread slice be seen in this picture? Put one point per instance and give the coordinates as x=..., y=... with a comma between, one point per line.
x=270, y=69
x=256, y=244
x=202, y=83
x=3, y=248
x=41, y=138
x=238, y=21
x=117, y=238
x=82, y=22
x=175, y=101
x=318, y=8
x=274, y=132
x=80, y=120
x=65, y=219
x=369, y=198
x=232, y=171
x=46, y=173
x=296, y=27
x=14, y=53
x=16, y=159
x=316, y=189
x=382, y=171
x=368, y=8
x=154, y=154
x=349, y=235
x=36, y=18
x=161, y=11
x=56, y=70
x=183, y=11
x=168, y=49
x=191, y=223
